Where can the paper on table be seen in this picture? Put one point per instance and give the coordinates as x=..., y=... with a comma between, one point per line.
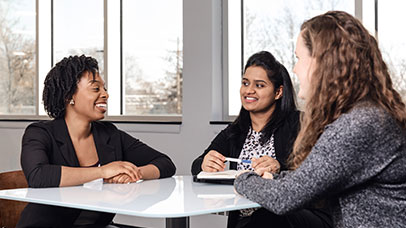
x=94, y=184
x=228, y=174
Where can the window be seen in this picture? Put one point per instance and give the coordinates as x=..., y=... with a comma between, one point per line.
x=152, y=57
x=17, y=58
x=78, y=30
x=138, y=42
x=392, y=41
x=272, y=26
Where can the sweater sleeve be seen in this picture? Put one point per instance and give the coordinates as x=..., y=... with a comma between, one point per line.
x=351, y=151
x=141, y=154
x=36, y=145
x=220, y=144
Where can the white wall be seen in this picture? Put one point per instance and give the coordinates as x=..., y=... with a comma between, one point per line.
x=183, y=143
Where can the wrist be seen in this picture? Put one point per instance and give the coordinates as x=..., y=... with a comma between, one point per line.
x=99, y=172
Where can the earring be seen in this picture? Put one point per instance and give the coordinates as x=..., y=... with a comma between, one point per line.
x=72, y=102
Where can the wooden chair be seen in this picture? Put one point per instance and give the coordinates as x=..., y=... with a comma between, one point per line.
x=10, y=210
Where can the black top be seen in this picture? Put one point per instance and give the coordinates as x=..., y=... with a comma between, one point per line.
x=230, y=145
x=46, y=146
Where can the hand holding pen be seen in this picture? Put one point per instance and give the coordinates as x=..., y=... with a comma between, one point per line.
x=265, y=162
x=238, y=160
x=213, y=161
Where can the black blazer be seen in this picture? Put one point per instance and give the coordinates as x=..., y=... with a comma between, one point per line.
x=46, y=146
x=284, y=138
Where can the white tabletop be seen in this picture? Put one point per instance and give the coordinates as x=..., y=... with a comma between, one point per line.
x=177, y=196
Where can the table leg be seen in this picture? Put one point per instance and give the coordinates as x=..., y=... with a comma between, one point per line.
x=177, y=222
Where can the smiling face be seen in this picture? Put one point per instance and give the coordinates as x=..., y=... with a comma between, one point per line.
x=303, y=67
x=257, y=92
x=90, y=98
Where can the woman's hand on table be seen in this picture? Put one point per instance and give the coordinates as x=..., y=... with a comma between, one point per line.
x=120, y=171
x=272, y=165
x=119, y=179
x=264, y=173
x=213, y=162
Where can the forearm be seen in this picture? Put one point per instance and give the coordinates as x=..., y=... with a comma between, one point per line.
x=71, y=176
x=261, y=191
x=149, y=172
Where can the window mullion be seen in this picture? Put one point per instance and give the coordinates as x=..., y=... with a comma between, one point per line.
x=113, y=56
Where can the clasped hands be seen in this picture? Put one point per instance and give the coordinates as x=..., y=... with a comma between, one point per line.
x=120, y=172
x=263, y=166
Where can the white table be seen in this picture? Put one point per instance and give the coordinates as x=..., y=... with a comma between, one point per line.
x=174, y=198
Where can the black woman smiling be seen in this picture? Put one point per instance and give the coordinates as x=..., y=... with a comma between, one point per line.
x=75, y=147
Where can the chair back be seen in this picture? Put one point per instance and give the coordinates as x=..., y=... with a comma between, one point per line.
x=10, y=210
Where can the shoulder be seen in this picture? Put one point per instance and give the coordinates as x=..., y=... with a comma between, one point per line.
x=364, y=116
x=230, y=129
x=236, y=131
x=366, y=122
x=231, y=134
x=42, y=125
x=44, y=130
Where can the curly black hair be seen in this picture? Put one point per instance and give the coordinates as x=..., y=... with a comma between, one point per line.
x=61, y=82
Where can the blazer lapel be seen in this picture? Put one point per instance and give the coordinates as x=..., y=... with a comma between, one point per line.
x=105, y=151
x=64, y=142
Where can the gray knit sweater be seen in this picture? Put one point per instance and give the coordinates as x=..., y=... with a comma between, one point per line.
x=358, y=165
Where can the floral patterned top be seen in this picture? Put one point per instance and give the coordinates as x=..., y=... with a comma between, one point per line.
x=252, y=148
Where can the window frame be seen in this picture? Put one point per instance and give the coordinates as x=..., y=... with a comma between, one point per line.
x=44, y=56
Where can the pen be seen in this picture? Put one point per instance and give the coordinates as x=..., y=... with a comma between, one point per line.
x=238, y=160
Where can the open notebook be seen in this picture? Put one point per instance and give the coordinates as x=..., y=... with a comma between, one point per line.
x=223, y=177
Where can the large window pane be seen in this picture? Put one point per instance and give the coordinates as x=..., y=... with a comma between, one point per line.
x=78, y=28
x=273, y=26
x=392, y=41
x=17, y=57
x=152, y=57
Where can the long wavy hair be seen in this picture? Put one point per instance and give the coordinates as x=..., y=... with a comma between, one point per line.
x=348, y=69
x=279, y=76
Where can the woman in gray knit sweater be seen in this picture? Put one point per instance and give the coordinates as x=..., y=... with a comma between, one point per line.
x=351, y=149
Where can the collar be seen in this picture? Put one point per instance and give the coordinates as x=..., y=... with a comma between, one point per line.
x=101, y=136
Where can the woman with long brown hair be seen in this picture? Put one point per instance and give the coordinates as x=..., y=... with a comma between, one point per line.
x=351, y=149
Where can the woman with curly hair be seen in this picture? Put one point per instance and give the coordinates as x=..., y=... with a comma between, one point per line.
x=75, y=147
x=350, y=152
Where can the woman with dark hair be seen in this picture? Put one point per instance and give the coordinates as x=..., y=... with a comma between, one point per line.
x=75, y=148
x=351, y=149
x=264, y=133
